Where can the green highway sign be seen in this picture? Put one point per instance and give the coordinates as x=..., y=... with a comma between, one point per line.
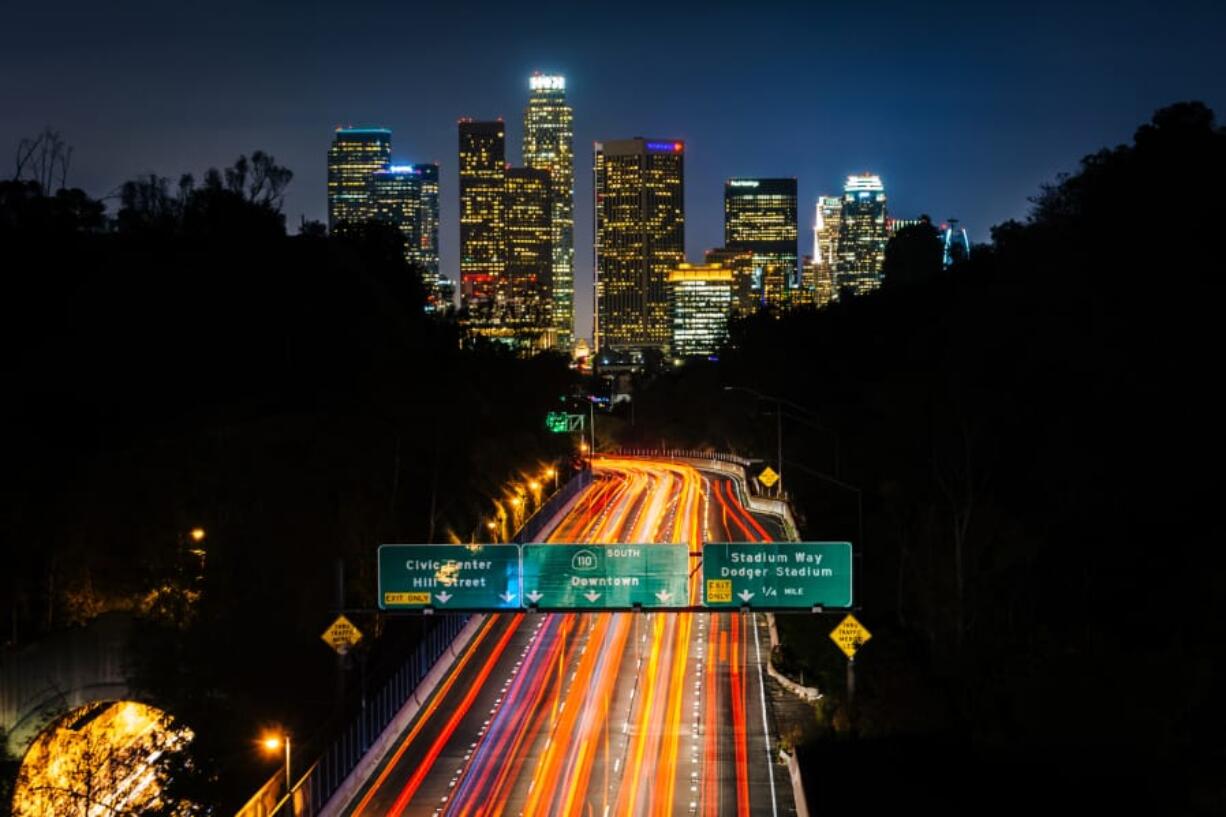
x=777, y=574
x=449, y=577
x=577, y=577
x=559, y=422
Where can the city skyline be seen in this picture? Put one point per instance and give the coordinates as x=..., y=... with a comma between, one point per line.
x=964, y=128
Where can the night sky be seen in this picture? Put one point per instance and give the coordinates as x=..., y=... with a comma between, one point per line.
x=963, y=109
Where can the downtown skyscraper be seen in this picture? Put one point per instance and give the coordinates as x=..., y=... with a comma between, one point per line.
x=760, y=216
x=355, y=155
x=639, y=205
x=862, y=235
x=528, y=301
x=700, y=303
x=406, y=196
x=549, y=146
x=482, y=224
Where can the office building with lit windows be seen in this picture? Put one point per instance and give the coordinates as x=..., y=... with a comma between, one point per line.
x=760, y=216
x=426, y=252
x=482, y=228
x=826, y=223
x=353, y=158
x=396, y=194
x=862, y=235
x=817, y=276
x=528, y=213
x=700, y=303
x=746, y=290
x=406, y=196
x=549, y=146
x=640, y=238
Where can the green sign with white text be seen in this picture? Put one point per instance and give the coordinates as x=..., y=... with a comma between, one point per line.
x=577, y=577
x=777, y=574
x=449, y=577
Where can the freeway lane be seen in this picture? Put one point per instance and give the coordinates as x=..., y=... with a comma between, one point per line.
x=603, y=713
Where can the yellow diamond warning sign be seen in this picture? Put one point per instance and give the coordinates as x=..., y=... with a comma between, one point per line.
x=850, y=635
x=342, y=635
x=768, y=477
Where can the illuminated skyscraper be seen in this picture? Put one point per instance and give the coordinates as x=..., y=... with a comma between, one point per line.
x=700, y=302
x=529, y=291
x=640, y=238
x=427, y=248
x=396, y=194
x=826, y=224
x=482, y=228
x=746, y=291
x=549, y=146
x=819, y=276
x=862, y=235
x=407, y=197
x=760, y=216
x=353, y=158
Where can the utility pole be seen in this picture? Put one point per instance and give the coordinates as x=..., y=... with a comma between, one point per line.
x=779, y=444
x=340, y=658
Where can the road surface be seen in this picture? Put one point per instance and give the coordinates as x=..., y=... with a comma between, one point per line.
x=602, y=714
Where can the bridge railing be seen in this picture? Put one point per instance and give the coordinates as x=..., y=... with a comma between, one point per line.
x=317, y=784
x=681, y=453
x=543, y=519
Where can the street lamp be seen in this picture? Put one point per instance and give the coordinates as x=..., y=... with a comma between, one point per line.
x=552, y=473
x=273, y=743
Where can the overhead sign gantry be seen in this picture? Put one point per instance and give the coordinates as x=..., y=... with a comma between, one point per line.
x=784, y=576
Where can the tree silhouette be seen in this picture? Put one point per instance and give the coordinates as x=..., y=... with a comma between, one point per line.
x=913, y=255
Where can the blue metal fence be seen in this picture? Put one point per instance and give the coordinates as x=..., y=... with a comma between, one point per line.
x=320, y=781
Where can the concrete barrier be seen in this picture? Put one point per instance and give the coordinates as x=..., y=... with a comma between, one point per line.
x=387, y=738
x=798, y=786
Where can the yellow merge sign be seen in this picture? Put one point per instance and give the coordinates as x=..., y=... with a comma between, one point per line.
x=850, y=635
x=342, y=635
x=768, y=477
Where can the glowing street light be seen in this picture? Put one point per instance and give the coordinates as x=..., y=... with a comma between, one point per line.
x=273, y=743
x=197, y=535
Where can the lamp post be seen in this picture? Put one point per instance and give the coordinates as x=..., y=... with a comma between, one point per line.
x=273, y=743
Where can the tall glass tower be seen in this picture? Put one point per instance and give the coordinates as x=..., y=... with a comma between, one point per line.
x=640, y=239
x=529, y=265
x=407, y=197
x=482, y=227
x=760, y=216
x=353, y=158
x=396, y=192
x=862, y=235
x=549, y=146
